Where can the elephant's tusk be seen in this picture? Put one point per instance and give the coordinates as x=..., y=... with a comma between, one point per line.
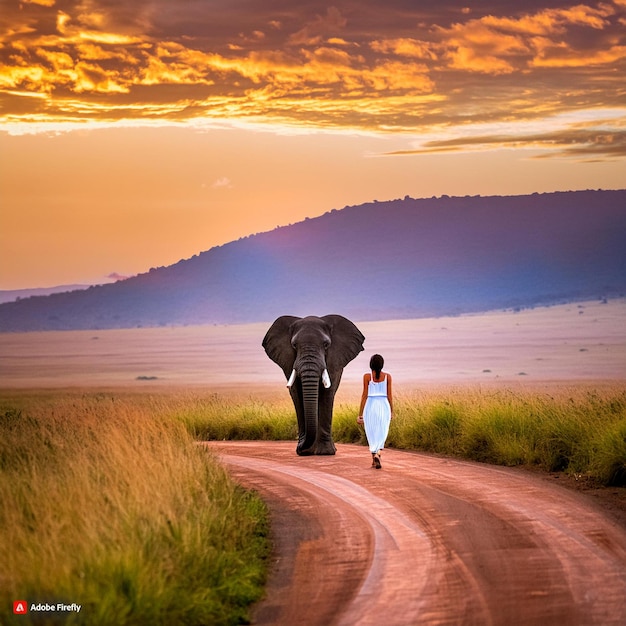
x=292, y=378
x=326, y=379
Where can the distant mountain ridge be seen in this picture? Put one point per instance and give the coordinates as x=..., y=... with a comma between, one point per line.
x=11, y=295
x=380, y=260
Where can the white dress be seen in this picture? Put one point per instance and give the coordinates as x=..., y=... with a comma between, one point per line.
x=377, y=414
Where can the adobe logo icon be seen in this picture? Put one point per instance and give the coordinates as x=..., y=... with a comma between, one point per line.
x=20, y=607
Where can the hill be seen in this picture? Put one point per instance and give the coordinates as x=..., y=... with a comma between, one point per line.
x=11, y=295
x=381, y=260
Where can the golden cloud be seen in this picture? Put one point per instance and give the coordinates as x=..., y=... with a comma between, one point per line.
x=497, y=45
x=559, y=56
x=90, y=62
x=312, y=33
x=43, y=3
x=552, y=21
x=405, y=47
x=476, y=48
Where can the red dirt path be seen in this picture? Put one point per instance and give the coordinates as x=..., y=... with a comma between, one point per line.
x=428, y=540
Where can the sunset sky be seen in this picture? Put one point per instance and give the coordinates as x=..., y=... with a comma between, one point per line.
x=135, y=134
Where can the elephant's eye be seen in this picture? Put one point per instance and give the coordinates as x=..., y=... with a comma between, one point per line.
x=326, y=345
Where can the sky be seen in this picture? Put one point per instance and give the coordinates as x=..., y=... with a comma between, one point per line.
x=136, y=134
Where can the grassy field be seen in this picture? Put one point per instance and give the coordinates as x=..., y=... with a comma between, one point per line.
x=580, y=429
x=106, y=501
x=577, y=430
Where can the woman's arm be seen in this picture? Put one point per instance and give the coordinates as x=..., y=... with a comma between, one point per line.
x=364, y=394
x=389, y=393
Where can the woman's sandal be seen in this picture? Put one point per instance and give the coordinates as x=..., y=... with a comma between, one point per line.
x=377, y=464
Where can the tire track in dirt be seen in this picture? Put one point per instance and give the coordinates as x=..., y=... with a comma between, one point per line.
x=427, y=540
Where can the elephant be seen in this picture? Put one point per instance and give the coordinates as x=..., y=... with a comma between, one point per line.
x=312, y=352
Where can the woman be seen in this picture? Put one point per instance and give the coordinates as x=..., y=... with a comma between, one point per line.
x=376, y=407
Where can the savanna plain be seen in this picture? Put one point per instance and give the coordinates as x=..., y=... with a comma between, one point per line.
x=108, y=502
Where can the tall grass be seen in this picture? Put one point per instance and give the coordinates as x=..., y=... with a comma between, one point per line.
x=108, y=502
x=577, y=430
x=234, y=417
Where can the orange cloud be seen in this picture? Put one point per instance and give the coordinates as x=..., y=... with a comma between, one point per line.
x=562, y=57
x=550, y=21
x=337, y=68
x=405, y=47
x=476, y=48
x=312, y=33
x=398, y=76
x=497, y=45
x=43, y=3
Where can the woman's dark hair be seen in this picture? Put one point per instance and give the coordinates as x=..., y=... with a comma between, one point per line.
x=376, y=364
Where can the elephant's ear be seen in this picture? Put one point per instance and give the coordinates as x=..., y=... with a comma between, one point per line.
x=277, y=343
x=346, y=341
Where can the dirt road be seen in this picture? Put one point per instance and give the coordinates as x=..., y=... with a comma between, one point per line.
x=428, y=540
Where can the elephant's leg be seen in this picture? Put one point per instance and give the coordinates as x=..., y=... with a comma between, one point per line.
x=295, y=391
x=324, y=443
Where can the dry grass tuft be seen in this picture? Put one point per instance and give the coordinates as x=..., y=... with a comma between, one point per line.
x=579, y=430
x=107, y=502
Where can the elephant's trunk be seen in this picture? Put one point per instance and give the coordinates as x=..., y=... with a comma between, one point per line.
x=310, y=399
